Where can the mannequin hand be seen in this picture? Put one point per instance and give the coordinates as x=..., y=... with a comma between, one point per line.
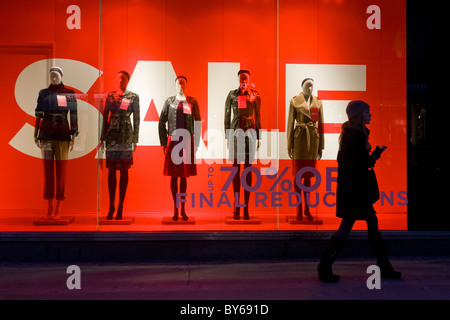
x=71, y=144
x=37, y=142
x=102, y=147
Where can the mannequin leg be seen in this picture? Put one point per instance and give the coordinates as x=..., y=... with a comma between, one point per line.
x=248, y=179
x=61, y=153
x=112, y=183
x=122, y=192
x=174, y=190
x=307, y=183
x=236, y=190
x=56, y=213
x=299, y=207
x=183, y=188
x=49, y=176
x=50, y=209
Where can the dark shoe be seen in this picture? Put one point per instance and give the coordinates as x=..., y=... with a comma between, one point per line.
x=183, y=215
x=175, y=215
x=119, y=212
x=379, y=249
x=308, y=214
x=246, y=215
x=110, y=212
x=329, y=256
x=237, y=213
x=299, y=212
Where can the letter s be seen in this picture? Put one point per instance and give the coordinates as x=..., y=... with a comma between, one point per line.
x=35, y=77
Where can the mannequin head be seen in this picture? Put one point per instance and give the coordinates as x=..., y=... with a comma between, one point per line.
x=244, y=79
x=56, y=75
x=122, y=79
x=308, y=86
x=180, y=84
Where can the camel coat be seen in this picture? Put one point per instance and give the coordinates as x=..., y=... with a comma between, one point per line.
x=304, y=136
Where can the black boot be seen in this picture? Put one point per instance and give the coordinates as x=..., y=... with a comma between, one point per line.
x=329, y=256
x=379, y=249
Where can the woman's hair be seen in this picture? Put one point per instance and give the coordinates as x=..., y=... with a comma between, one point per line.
x=356, y=123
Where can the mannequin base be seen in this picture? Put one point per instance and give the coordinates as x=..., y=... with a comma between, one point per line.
x=294, y=220
x=252, y=220
x=62, y=221
x=170, y=221
x=114, y=222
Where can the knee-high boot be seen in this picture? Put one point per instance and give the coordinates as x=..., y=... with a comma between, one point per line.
x=329, y=256
x=379, y=249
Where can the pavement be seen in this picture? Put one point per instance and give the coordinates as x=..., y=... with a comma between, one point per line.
x=424, y=278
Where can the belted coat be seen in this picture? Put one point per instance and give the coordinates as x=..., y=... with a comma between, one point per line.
x=305, y=135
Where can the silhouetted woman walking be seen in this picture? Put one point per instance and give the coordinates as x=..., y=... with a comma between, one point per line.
x=357, y=191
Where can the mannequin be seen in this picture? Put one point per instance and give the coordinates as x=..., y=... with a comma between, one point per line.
x=245, y=105
x=55, y=136
x=178, y=127
x=120, y=138
x=305, y=138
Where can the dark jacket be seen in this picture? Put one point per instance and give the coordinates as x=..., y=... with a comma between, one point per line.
x=243, y=118
x=354, y=194
x=168, y=120
x=53, y=107
x=117, y=125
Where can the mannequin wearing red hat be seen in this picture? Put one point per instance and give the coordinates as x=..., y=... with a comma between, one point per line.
x=357, y=191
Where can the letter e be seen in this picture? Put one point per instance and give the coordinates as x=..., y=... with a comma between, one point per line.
x=74, y=281
x=74, y=21
x=374, y=21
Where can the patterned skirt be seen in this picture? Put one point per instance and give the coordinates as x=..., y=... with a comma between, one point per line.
x=119, y=156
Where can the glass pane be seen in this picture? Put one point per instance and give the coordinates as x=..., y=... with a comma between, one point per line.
x=52, y=175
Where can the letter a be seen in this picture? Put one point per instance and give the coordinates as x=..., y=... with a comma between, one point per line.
x=374, y=281
x=74, y=281
x=74, y=21
x=374, y=21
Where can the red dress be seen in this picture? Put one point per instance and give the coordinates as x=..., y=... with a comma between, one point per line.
x=180, y=152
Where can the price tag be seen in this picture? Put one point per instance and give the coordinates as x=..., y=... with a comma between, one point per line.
x=186, y=108
x=62, y=100
x=242, y=102
x=125, y=103
x=315, y=114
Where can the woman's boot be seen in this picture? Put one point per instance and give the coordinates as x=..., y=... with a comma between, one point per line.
x=379, y=249
x=329, y=256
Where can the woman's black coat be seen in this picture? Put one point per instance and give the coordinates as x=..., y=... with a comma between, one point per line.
x=355, y=188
